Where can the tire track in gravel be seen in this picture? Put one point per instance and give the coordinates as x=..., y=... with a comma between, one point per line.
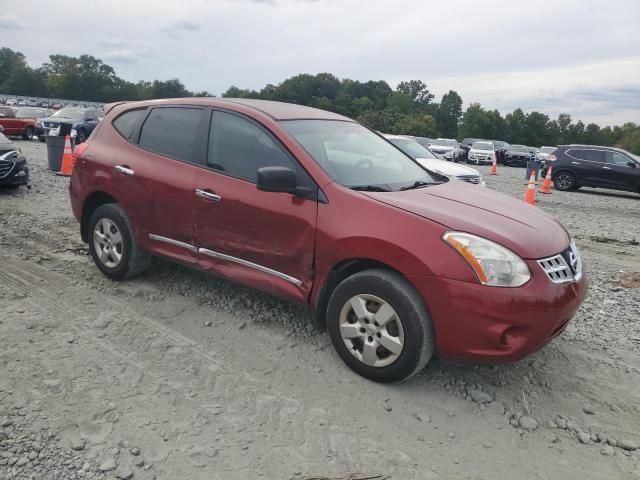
x=188, y=374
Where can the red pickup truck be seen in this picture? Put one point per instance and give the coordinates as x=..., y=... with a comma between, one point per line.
x=21, y=121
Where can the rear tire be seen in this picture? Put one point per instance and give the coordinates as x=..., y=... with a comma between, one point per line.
x=113, y=245
x=564, y=181
x=380, y=327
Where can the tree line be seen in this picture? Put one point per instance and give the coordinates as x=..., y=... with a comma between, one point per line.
x=410, y=109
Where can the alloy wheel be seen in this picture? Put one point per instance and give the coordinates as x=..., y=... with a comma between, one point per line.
x=564, y=181
x=107, y=241
x=371, y=330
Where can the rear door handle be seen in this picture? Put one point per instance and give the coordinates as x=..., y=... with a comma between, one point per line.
x=606, y=168
x=208, y=195
x=123, y=170
x=576, y=163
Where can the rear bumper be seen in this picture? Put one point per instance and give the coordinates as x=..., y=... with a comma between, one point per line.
x=479, y=324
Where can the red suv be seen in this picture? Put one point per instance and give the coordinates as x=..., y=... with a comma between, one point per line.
x=399, y=262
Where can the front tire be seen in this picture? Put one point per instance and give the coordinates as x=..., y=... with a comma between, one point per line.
x=380, y=327
x=28, y=134
x=113, y=245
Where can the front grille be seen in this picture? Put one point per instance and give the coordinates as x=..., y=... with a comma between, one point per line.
x=564, y=267
x=5, y=168
x=470, y=179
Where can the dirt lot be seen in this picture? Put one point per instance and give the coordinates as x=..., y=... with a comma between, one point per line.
x=179, y=375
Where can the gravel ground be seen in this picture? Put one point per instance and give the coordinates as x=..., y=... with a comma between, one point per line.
x=179, y=375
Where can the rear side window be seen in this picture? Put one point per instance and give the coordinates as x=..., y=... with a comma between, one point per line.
x=239, y=148
x=587, y=154
x=127, y=122
x=171, y=132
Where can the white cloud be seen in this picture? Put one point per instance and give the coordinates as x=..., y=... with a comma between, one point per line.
x=11, y=22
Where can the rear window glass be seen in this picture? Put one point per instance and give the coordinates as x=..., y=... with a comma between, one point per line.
x=171, y=132
x=126, y=123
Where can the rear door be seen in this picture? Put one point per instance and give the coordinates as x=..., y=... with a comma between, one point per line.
x=587, y=164
x=262, y=239
x=620, y=172
x=168, y=141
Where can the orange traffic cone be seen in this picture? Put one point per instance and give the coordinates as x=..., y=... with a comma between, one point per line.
x=67, y=159
x=494, y=165
x=546, y=185
x=530, y=194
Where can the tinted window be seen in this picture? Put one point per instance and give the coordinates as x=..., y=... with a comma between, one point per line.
x=587, y=154
x=239, y=147
x=126, y=122
x=171, y=132
x=7, y=111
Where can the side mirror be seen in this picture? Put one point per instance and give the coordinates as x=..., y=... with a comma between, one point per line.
x=277, y=179
x=632, y=164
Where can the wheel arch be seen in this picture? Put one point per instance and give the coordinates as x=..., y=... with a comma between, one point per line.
x=339, y=272
x=93, y=201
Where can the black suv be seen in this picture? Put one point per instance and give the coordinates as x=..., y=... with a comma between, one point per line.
x=13, y=166
x=576, y=166
x=517, y=156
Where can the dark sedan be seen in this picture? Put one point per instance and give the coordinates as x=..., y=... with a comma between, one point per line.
x=13, y=166
x=517, y=156
x=82, y=120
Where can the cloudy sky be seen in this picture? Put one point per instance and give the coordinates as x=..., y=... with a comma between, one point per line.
x=576, y=56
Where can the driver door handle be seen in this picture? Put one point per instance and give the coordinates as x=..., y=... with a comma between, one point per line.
x=123, y=170
x=606, y=168
x=208, y=195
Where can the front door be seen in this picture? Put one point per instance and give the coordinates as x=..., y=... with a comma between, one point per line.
x=262, y=239
x=620, y=172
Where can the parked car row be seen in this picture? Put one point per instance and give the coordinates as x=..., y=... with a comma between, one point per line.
x=54, y=105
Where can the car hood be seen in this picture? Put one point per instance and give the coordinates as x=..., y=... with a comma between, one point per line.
x=446, y=168
x=59, y=120
x=522, y=228
x=6, y=144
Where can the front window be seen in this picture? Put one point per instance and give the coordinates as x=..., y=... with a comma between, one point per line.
x=519, y=149
x=547, y=149
x=65, y=114
x=412, y=148
x=482, y=146
x=356, y=157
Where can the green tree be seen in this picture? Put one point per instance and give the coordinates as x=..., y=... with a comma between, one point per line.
x=418, y=91
x=449, y=114
x=399, y=102
x=417, y=124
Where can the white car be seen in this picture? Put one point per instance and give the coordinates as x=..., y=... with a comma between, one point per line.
x=545, y=152
x=481, y=152
x=447, y=147
x=428, y=160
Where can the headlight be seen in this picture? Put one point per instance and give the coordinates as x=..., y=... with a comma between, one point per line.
x=493, y=264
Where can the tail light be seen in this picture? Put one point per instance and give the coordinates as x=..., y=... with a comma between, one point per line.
x=552, y=157
x=79, y=150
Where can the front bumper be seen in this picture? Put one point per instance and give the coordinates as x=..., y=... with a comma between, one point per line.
x=18, y=174
x=480, y=324
x=516, y=161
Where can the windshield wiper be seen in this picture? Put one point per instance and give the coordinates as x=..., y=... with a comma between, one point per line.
x=417, y=184
x=370, y=188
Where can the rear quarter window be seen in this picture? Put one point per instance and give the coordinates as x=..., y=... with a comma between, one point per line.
x=126, y=122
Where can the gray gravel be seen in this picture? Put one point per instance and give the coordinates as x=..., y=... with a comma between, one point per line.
x=186, y=376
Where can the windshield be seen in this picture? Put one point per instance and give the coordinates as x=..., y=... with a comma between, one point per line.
x=547, y=149
x=519, y=148
x=412, y=148
x=30, y=113
x=443, y=143
x=356, y=157
x=500, y=144
x=482, y=146
x=69, y=114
